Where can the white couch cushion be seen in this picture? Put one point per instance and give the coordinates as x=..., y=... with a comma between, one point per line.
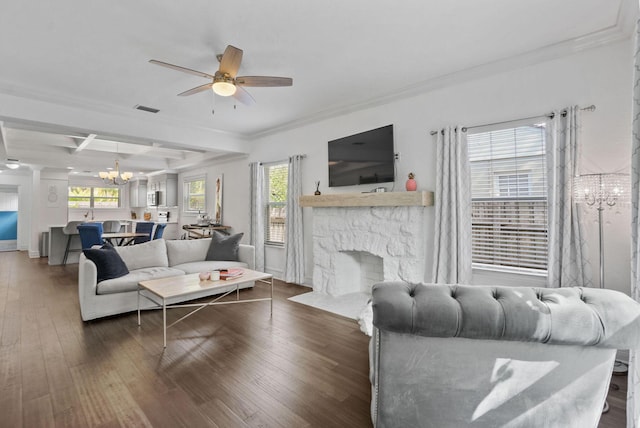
x=147, y=254
x=187, y=250
x=130, y=282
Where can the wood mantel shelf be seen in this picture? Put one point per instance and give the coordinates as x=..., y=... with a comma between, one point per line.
x=382, y=199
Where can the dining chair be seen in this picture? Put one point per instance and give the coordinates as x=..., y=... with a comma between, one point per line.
x=111, y=226
x=143, y=227
x=71, y=230
x=90, y=234
x=159, y=230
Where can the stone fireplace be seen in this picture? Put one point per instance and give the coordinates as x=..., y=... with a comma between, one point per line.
x=356, y=246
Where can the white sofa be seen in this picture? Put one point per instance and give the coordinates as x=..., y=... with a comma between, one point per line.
x=151, y=260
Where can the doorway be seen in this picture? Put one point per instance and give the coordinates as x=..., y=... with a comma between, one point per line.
x=8, y=219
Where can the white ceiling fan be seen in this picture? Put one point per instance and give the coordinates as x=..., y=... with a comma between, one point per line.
x=225, y=81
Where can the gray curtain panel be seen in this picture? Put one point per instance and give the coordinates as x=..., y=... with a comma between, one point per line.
x=294, y=241
x=256, y=210
x=633, y=389
x=568, y=265
x=452, y=237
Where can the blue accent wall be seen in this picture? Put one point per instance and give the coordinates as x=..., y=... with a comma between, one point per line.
x=8, y=225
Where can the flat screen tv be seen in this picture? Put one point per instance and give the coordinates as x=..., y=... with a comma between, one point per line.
x=364, y=158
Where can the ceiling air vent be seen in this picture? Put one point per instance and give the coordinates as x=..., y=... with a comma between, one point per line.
x=147, y=109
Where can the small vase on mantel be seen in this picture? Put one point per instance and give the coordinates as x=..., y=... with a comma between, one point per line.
x=411, y=184
x=317, y=192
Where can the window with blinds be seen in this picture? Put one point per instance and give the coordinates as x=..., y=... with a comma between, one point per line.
x=509, y=199
x=276, y=177
x=194, y=195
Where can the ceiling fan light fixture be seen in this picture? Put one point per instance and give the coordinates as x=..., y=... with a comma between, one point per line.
x=224, y=88
x=12, y=164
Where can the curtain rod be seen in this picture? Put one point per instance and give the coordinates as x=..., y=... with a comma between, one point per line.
x=278, y=161
x=548, y=115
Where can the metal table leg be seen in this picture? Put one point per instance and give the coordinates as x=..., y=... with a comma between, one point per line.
x=164, y=322
x=138, y=306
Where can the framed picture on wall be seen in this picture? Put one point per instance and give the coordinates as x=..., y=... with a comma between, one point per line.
x=217, y=207
x=53, y=201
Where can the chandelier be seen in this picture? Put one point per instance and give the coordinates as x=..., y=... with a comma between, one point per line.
x=114, y=177
x=602, y=190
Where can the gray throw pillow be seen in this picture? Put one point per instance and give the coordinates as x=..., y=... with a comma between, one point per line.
x=108, y=262
x=224, y=248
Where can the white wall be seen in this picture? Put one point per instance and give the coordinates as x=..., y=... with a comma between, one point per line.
x=600, y=76
x=235, y=194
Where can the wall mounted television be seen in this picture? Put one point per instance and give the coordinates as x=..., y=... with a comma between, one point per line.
x=364, y=158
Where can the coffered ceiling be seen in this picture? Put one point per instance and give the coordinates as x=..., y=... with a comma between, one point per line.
x=72, y=72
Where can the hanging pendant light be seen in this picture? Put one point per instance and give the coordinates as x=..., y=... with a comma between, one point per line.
x=114, y=177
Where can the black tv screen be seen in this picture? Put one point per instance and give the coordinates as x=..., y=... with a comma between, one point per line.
x=364, y=158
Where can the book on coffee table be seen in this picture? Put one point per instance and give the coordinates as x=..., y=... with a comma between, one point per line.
x=230, y=273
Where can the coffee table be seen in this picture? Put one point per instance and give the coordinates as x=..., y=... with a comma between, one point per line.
x=180, y=288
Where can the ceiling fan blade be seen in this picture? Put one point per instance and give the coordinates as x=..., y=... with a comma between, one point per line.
x=243, y=96
x=231, y=59
x=264, y=81
x=183, y=69
x=196, y=90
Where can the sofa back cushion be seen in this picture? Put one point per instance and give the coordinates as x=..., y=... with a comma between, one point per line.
x=109, y=264
x=148, y=254
x=224, y=247
x=187, y=250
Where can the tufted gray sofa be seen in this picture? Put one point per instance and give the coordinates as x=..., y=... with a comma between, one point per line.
x=477, y=356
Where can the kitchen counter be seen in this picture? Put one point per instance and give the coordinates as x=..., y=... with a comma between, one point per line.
x=58, y=240
x=58, y=243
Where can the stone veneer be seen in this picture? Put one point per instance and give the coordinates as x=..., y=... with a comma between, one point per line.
x=395, y=234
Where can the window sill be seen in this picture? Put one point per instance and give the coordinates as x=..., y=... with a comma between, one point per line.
x=507, y=270
x=95, y=209
x=484, y=276
x=273, y=245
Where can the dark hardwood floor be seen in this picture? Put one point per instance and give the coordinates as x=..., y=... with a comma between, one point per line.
x=228, y=366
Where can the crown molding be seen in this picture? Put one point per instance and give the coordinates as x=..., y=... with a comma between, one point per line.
x=622, y=30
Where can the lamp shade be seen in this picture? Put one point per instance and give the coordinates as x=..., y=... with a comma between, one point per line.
x=115, y=177
x=602, y=189
x=224, y=88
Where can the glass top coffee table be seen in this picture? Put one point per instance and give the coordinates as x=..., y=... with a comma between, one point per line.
x=164, y=291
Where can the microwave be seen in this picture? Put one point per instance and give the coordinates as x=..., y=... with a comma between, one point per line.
x=153, y=198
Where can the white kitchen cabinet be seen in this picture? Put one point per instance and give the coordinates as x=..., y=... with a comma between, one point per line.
x=167, y=185
x=138, y=193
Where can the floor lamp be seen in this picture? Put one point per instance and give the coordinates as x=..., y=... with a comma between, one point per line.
x=602, y=191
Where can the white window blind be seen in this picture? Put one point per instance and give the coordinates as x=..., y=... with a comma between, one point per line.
x=276, y=207
x=509, y=199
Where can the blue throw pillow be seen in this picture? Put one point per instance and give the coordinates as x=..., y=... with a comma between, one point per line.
x=224, y=248
x=108, y=262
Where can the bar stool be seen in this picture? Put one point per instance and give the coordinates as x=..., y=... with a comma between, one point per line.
x=71, y=230
x=111, y=226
